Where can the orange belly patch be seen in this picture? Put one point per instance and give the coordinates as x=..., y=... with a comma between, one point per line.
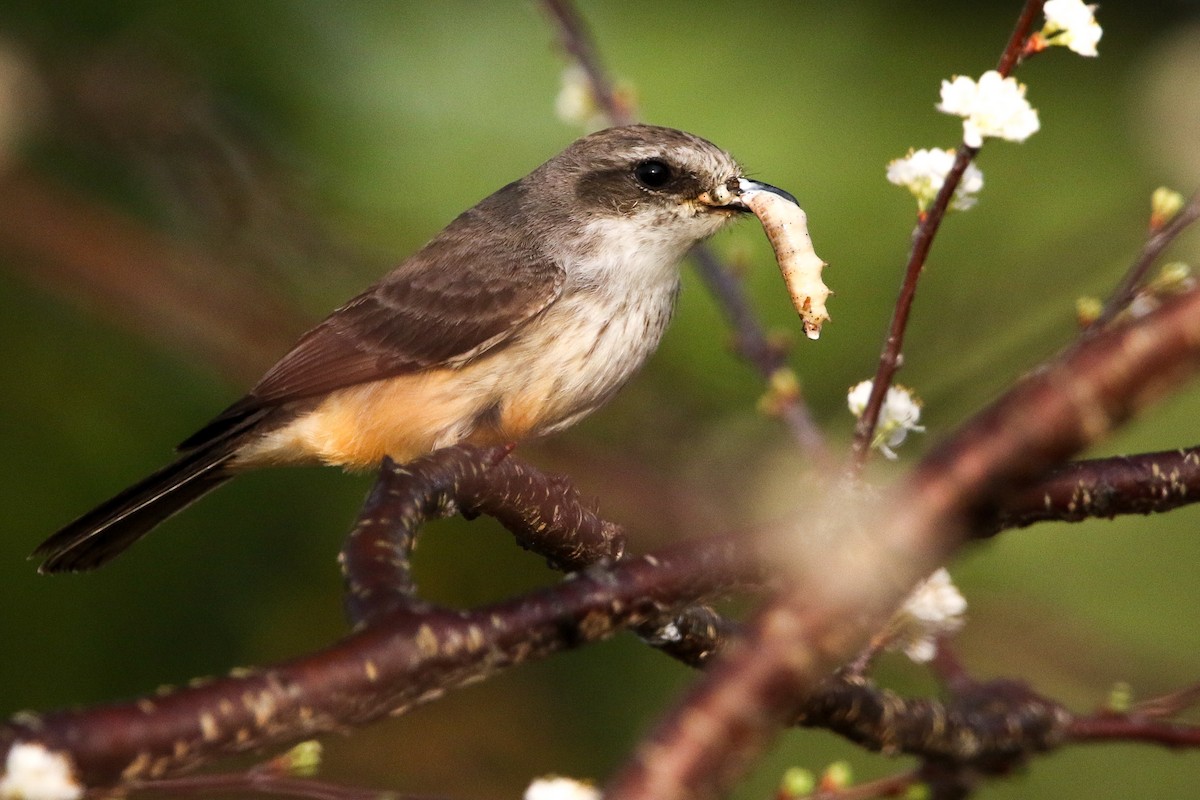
x=357, y=426
x=403, y=418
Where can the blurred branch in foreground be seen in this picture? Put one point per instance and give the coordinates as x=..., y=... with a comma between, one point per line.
x=852, y=568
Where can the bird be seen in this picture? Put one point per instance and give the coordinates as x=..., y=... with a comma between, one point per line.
x=526, y=313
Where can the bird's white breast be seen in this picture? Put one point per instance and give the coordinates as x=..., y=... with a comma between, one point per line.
x=622, y=281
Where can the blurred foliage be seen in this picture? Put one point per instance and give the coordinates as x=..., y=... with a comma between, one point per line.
x=385, y=119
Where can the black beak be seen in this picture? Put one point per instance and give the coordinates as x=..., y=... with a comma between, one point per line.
x=728, y=196
x=745, y=185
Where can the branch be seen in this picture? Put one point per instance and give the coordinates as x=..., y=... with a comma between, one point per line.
x=988, y=725
x=545, y=514
x=889, y=359
x=855, y=579
x=406, y=652
x=1120, y=728
x=405, y=656
x=1104, y=487
x=1147, y=722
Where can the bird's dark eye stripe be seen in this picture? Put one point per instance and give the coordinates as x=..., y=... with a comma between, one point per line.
x=652, y=173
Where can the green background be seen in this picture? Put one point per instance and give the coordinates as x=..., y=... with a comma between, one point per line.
x=382, y=120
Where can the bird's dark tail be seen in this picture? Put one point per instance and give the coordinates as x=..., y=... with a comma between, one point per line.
x=105, y=531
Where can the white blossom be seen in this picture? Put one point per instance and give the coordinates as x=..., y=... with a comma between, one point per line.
x=555, y=788
x=898, y=417
x=994, y=106
x=32, y=772
x=923, y=172
x=935, y=609
x=1072, y=23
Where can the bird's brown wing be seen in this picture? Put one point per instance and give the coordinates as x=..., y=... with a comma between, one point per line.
x=404, y=326
x=446, y=305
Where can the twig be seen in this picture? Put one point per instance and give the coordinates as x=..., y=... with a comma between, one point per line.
x=1156, y=242
x=923, y=236
x=1107, y=727
x=1014, y=50
x=889, y=359
x=1169, y=705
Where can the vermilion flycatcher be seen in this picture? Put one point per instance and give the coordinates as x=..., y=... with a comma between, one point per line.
x=525, y=314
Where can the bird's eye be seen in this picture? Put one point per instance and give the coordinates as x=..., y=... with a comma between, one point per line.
x=652, y=173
